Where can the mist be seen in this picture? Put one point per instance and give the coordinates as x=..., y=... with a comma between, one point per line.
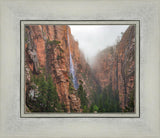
x=94, y=38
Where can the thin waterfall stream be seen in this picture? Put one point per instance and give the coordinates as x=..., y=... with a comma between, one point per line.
x=72, y=71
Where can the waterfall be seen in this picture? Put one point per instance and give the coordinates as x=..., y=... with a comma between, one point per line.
x=72, y=71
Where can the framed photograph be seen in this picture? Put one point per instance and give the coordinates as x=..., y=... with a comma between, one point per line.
x=79, y=69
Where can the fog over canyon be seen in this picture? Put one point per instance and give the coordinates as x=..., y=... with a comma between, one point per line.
x=94, y=38
x=80, y=68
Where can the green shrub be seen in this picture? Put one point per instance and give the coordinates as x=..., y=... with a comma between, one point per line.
x=54, y=42
x=85, y=110
x=47, y=100
x=130, y=107
x=26, y=38
x=59, y=57
x=60, y=49
x=95, y=108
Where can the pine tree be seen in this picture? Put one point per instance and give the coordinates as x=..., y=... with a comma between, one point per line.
x=52, y=96
x=100, y=104
x=42, y=102
x=82, y=95
x=107, y=100
x=95, y=108
x=46, y=99
x=91, y=108
x=130, y=107
x=85, y=109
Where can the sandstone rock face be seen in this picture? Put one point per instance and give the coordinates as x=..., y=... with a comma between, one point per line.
x=43, y=51
x=75, y=103
x=116, y=65
x=47, y=48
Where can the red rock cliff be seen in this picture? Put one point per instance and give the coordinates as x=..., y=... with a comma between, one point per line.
x=47, y=47
x=116, y=65
x=43, y=51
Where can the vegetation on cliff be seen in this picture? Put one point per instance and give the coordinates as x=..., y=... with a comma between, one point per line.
x=105, y=101
x=106, y=87
x=82, y=95
x=46, y=98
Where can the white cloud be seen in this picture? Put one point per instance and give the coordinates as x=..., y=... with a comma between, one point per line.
x=93, y=38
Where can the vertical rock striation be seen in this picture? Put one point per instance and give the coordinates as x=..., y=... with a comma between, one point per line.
x=46, y=48
x=47, y=51
x=116, y=65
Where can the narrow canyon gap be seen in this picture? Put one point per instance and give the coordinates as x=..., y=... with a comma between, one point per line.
x=52, y=54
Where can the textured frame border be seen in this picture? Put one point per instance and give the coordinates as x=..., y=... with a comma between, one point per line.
x=12, y=126
x=83, y=115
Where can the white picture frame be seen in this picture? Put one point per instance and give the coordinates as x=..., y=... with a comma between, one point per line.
x=11, y=123
x=135, y=114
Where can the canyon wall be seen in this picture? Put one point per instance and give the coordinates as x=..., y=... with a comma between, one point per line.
x=47, y=48
x=116, y=65
x=47, y=51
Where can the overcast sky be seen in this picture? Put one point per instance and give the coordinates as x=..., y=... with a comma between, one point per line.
x=94, y=38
